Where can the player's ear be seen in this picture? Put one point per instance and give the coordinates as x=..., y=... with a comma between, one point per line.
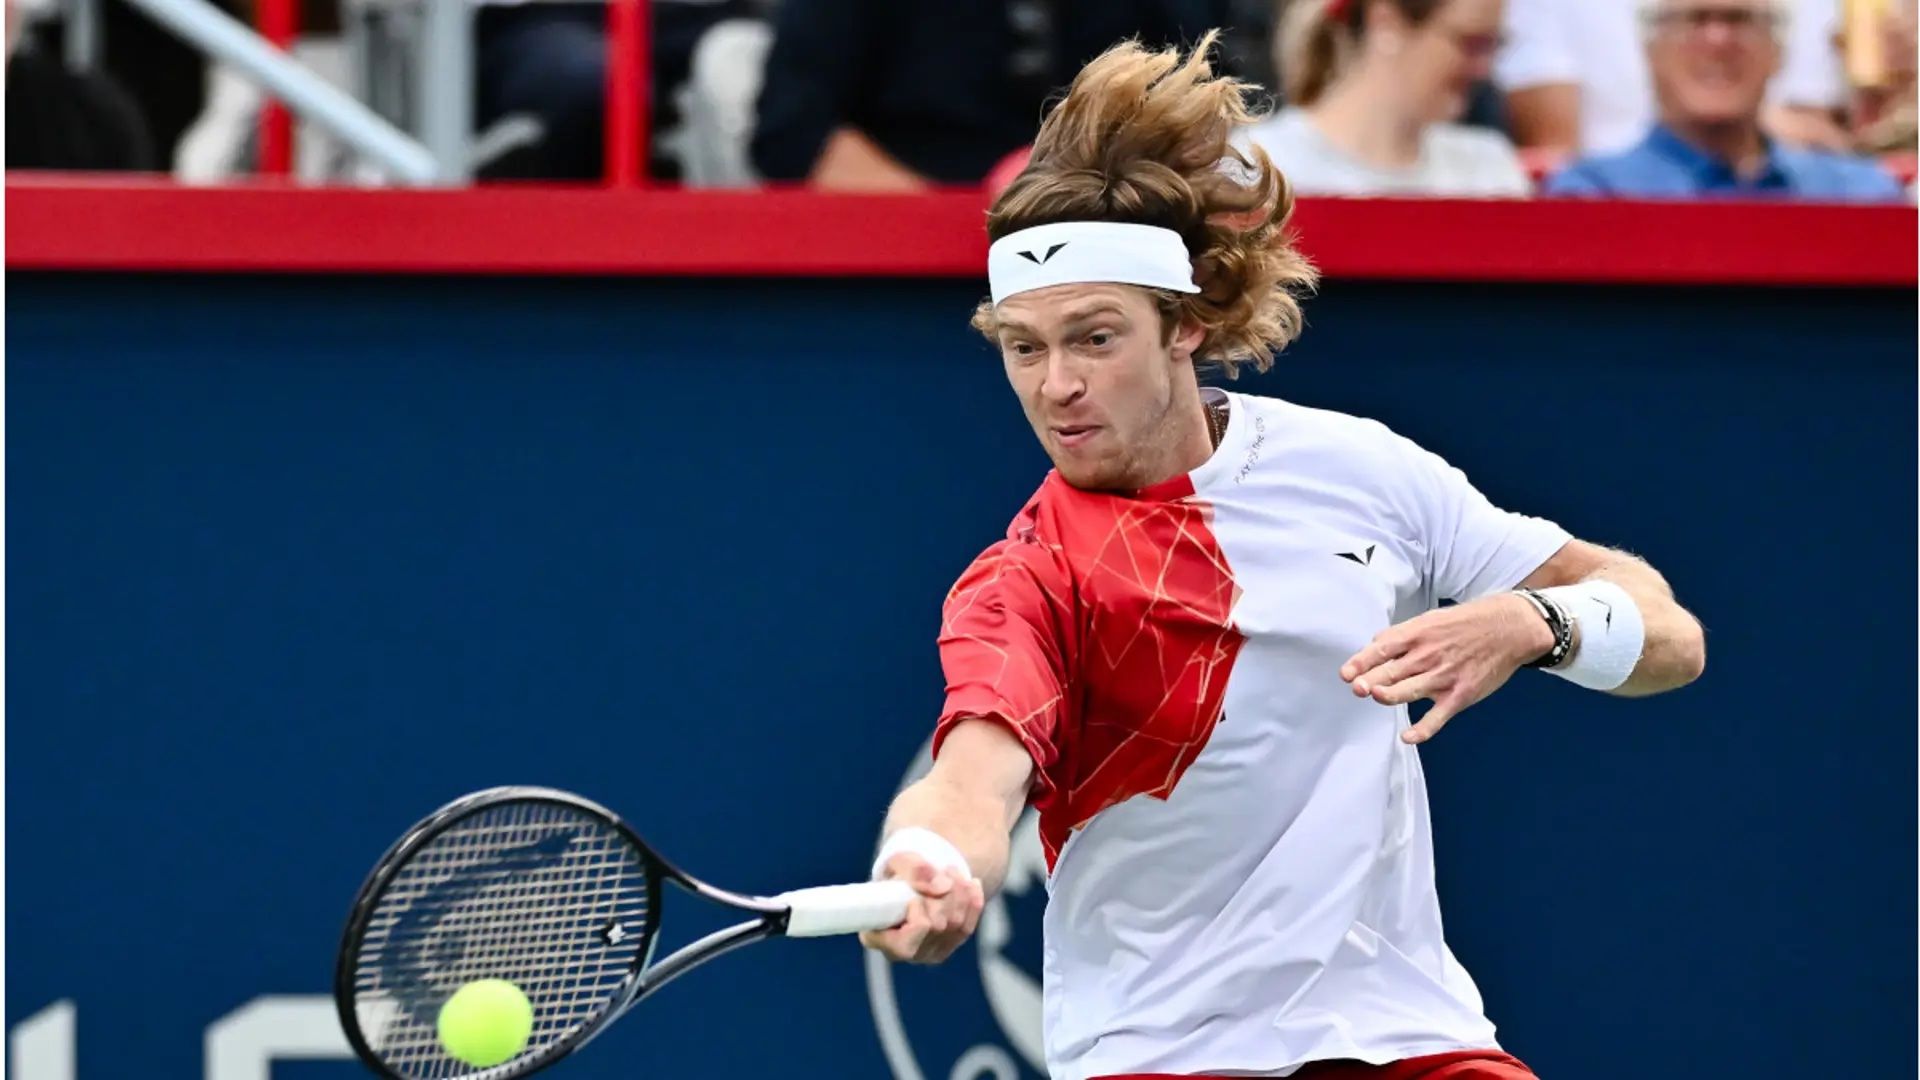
x=1187, y=336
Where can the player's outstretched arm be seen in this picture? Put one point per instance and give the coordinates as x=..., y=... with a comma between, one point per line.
x=948, y=835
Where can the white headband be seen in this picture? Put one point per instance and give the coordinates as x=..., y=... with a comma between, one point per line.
x=1071, y=252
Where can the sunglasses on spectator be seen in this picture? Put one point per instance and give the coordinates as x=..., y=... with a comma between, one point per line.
x=1744, y=21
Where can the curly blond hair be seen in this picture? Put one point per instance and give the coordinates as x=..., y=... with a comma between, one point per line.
x=1145, y=136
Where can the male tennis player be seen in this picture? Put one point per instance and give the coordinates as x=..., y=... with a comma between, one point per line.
x=1195, y=648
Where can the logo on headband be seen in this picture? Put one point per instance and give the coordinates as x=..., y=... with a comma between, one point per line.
x=1041, y=260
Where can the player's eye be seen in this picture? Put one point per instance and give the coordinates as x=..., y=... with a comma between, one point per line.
x=1100, y=339
x=1022, y=349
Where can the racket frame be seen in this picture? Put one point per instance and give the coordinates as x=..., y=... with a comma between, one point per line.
x=641, y=980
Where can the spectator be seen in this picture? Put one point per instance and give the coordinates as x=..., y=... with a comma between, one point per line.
x=1711, y=62
x=1816, y=101
x=1576, y=77
x=1885, y=108
x=893, y=95
x=61, y=119
x=1375, y=86
x=1810, y=93
x=546, y=60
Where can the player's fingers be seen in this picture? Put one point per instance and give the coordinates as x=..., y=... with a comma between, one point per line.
x=940, y=946
x=910, y=868
x=907, y=939
x=953, y=907
x=913, y=950
x=976, y=903
x=893, y=944
x=889, y=940
x=1443, y=710
x=941, y=916
x=1398, y=669
x=1388, y=645
x=921, y=874
x=1410, y=687
x=965, y=910
x=953, y=919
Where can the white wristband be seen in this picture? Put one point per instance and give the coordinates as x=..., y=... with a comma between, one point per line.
x=1612, y=634
x=929, y=845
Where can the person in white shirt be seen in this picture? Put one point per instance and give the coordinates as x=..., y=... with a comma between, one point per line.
x=1373, y=88
x=1808, y=95
x=1576, y=79
x=1194, y=650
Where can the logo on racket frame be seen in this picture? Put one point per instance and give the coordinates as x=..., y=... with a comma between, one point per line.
x=977, y=1016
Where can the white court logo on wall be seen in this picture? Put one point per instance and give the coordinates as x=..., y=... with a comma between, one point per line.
x=977, y=1016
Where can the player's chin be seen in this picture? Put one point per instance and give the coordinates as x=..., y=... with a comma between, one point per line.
x=1089, y=471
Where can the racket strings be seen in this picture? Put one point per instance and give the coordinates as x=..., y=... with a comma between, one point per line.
x=525, y=891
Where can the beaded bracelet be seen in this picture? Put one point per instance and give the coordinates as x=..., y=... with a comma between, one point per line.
x=1558, y=622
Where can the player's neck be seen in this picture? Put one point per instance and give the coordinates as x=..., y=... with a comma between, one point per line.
x=1188, y=445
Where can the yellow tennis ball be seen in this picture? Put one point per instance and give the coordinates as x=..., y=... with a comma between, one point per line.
x=485, y=1023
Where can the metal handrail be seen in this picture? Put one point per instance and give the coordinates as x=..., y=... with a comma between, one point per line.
x=231, y=42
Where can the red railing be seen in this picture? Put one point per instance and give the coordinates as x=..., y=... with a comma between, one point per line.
x=93, y=223
x=629, y=36
x=629, y=63
x=279, y=22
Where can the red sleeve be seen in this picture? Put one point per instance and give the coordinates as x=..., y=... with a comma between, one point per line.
x=1007, y=647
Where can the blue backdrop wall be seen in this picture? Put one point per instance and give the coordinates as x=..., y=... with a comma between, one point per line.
x=293, y=560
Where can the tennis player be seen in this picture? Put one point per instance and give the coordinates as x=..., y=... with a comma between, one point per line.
x=1195, y=649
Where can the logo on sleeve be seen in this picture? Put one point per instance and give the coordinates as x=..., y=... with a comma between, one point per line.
x=1364, y=558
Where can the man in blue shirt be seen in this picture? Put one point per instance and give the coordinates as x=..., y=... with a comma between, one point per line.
x=1711, y=61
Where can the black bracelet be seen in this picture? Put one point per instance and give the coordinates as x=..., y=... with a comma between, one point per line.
x=1558, y=622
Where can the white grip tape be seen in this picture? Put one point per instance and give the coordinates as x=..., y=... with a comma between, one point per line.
x=846, y=909
x=1612, y=633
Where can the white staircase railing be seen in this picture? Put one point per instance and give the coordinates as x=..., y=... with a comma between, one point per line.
x=312, y=98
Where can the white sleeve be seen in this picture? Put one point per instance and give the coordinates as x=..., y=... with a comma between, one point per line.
x=1810, y=72
x=1540, y=47
x=1473, y=548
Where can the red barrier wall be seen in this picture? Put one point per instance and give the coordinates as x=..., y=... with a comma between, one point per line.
x=83, y=224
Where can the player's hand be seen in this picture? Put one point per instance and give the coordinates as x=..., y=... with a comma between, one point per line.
x=1455, y=656
x=940, y=919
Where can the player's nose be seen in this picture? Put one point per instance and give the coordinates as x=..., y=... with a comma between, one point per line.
x=1063, y=384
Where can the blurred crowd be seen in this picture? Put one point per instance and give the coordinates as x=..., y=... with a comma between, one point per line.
x=1471, y=98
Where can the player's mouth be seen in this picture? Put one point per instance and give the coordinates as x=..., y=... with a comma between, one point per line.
x=1071, y=436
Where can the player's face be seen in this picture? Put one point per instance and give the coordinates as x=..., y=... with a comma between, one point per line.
x=1711, y=59
x=1448, y=54
x=1096, y=374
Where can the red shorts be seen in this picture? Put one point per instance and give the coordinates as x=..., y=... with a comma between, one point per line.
x=1455, y=1065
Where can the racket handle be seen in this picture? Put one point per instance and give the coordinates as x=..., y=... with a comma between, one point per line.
x=846, y=909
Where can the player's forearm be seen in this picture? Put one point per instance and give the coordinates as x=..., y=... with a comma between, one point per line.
x=975, y=820
x=1675, y=651
x=972, y=797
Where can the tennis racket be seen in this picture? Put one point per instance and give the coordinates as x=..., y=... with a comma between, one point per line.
x=556, y=894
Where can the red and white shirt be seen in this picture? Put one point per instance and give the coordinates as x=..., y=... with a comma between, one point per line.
x=1241, y=868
